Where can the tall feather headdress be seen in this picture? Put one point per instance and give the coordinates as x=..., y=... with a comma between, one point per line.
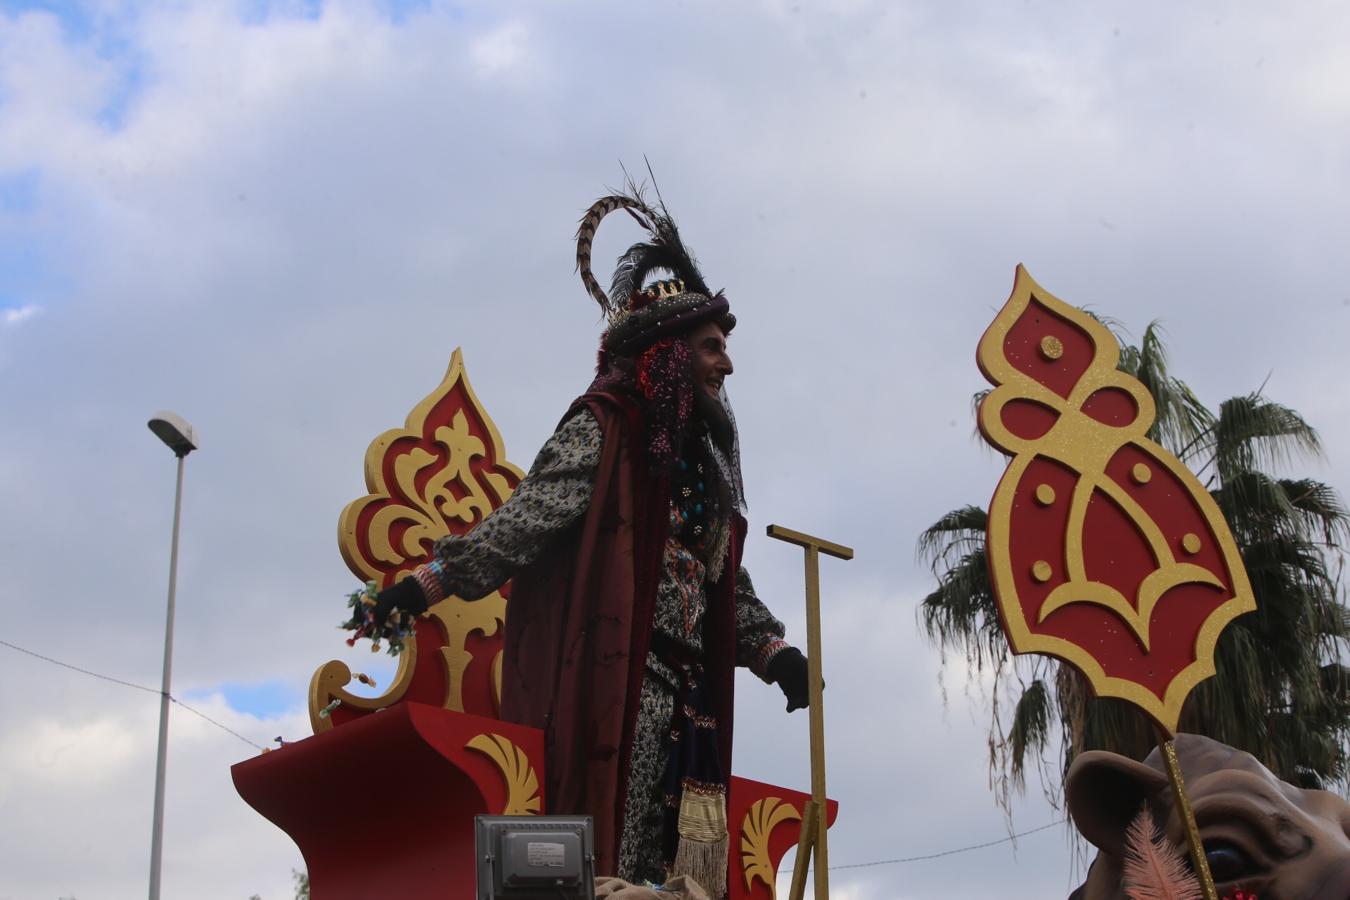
x=638, y=313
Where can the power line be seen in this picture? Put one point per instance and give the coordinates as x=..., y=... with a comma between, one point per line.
x=910, y=859
x=225, y=728
x=228, y=730
x=139, y=687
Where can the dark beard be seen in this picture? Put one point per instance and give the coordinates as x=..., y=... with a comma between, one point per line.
x=714, y=416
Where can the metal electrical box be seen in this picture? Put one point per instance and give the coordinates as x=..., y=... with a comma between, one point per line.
x=528, y=857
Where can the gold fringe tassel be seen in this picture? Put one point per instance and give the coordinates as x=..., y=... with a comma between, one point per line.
x=704, y=842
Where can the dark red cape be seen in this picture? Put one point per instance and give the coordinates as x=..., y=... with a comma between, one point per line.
x=579, y=629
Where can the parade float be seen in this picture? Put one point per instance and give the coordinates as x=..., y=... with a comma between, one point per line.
x=432, y=740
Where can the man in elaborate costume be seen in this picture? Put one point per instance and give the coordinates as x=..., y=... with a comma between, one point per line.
x=629, y=608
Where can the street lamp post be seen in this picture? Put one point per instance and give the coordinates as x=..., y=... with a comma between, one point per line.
x=181, y=438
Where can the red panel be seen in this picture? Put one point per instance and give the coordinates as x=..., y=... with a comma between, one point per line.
x=1028, y=419
x=1115, y=533
x=744, y=793
x=1111, y=406
x=1022, y=348
x=384, y=807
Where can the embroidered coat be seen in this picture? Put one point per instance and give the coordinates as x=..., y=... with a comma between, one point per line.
x=584, y=536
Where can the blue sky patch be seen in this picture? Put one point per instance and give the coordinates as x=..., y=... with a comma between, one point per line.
x=83, y=24
x=113, y=114
x=265, y=700
x=260, y=12
x=27, y=274
x=76, y=17
x=18, y=191
x=399, y=11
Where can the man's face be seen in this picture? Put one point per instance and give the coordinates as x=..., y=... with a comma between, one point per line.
x=708, y=345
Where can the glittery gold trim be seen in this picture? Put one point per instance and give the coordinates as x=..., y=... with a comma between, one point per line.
x=1085, y=446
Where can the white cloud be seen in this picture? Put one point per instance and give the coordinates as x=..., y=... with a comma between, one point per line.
x=76, y=755
x=502, y=50
x=19, y=315
x=77, y=783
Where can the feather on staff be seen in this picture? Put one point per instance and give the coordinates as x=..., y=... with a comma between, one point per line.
x=1154, y=868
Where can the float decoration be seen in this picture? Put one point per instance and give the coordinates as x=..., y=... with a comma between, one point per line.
x=1105, y=551
x=441, y=474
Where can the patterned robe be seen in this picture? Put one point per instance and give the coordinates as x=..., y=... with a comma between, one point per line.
x=545, y=506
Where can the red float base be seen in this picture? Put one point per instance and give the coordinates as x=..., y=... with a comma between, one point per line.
x=384, y=806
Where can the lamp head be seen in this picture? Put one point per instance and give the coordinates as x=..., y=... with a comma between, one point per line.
x=174, y=431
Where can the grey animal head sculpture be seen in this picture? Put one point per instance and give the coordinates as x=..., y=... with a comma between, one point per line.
x=1261, y=834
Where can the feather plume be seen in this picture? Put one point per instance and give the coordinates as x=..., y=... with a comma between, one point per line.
x=1154, y=869
x=639, y=261
x=663, y=251
x=586, y=234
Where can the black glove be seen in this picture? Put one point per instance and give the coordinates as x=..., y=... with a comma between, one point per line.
x=787, y=669
x=405, y=596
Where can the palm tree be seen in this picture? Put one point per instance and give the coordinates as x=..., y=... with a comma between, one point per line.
x=1282, y=690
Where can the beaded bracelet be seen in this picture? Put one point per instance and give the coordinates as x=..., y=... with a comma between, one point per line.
x=767, y=653
x=431, y=578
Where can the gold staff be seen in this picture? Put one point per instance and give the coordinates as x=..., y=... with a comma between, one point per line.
x=1167, y=746
x=814, y=818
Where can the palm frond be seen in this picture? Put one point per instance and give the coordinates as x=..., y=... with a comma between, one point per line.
x=1030, y=729
x=1117, y=328
x=1255, y=433
x=961, y=615
x=1181, y=418
x=1321, y=508
x=975, y=400
x=1256, y=505
x=957, y=533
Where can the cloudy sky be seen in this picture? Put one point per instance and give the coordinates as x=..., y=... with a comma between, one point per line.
x=280, y=219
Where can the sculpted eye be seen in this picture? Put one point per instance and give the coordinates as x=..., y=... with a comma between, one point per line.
x=1227, y=861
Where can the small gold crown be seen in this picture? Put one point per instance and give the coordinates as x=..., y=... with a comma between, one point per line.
x=659, y=290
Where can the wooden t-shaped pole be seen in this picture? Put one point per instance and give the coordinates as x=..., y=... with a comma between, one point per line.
x=814, y=819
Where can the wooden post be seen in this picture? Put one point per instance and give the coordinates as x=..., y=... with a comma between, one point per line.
x=1199, y=863
x=813, y=844
x=805, y=844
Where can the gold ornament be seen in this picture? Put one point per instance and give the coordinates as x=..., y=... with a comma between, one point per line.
x=522, y=784
x=757, y=826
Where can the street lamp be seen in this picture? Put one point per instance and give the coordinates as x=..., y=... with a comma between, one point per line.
x=181, y=438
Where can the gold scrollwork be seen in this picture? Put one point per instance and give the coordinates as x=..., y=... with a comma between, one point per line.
x=522, y=784
x=428, y=495
x=459, y=619
x=454, y=492
x=757, y=826
x=330, y=679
